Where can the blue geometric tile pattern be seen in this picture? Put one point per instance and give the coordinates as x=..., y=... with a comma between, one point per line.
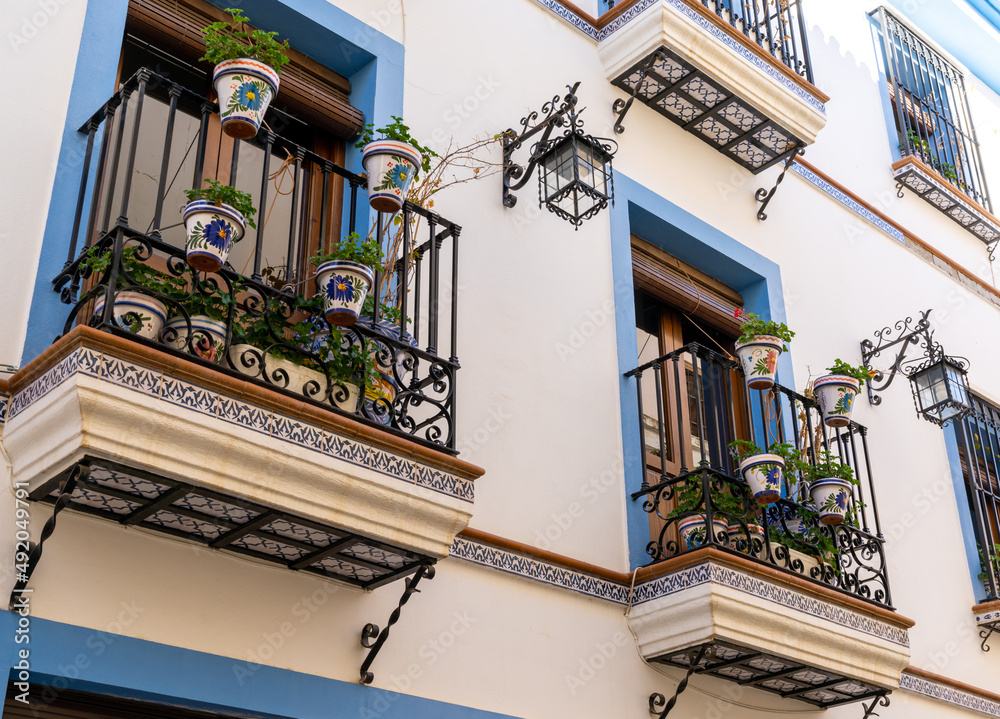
x=184, y=394
x=4, y=404
x=539, y=571
x=706, y=572
x=849, y=202
x=950, y=695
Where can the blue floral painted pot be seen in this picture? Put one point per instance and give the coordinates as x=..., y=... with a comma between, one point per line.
x=136, y=312
x=211, y=231
x=245, y=88
x=208, y=336
x=343, y=285
x=692, y=530
x=832, y=497
x=763, y=472
x=759, y=360
x=391, y=167
x=749, y=541
x=836, y=394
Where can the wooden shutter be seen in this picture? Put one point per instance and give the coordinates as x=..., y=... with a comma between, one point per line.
x=691, y=291
x=310, y=91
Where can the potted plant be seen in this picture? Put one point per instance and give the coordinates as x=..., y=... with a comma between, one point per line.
x=208, y=309
x=690, y=513
x=994, y=559
x=762, y=471
x=836, y=392
x=759, y=344
x=344, y=275
x=215, y=217
x=830, y=483
x=392, y=163
x=136, y=311
x=247, y=63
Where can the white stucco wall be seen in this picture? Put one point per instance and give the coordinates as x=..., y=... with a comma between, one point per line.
x=545, y=424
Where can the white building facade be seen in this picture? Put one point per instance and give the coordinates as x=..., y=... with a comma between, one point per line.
x=220, y=527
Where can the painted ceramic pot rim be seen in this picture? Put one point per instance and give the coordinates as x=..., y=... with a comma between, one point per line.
x=836, y=380
x=829, y=482
x=754, y=528
x=249, y=66
x=391, y=147
x=219, y=209
x=203, y=322
x=762, y=458
x=335, y=265
x=139, y=299
x=700, y=519
x=766, y=340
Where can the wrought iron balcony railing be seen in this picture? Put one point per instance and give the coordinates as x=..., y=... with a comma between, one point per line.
x=933, y=120
x=700, y=407
x=979, y=449
x=411, y=354
x=777, y=26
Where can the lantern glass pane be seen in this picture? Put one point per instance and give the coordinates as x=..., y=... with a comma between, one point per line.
x=557, y=168
x=932, y=387
x=956, y=383
x=587, y=162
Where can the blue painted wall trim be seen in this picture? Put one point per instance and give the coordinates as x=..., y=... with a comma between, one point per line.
x=655, y=219
x=965, y=518
x=66, y=656
x=372, y=62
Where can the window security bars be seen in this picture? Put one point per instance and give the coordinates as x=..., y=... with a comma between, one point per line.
x=979, y=447
x=932, y=118
x=409, y=357
x=848, y=557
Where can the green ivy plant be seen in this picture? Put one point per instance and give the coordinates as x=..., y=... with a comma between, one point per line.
x=400, y=132
x=861, y=374
x=217, y=193
x=994, y=560
x=234, y=39
x=352, y=249
x=752, y=325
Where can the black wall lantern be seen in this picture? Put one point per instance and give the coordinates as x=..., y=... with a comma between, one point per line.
x=574, y=177
x=939, y=382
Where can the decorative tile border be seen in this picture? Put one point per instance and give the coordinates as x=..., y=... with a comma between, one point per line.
x=539, y=571
x=707, y=572
x=849, y=202
x=4, y=405
x=949, y=695
x=155, y=384
x=571, y=17
x=988, y=617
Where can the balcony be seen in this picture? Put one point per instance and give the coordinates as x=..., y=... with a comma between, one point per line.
x=941, y=161
x=770, y=596
x=735, y=74
x=268, y=432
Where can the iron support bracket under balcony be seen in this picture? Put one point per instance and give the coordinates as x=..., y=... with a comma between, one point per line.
x=988, y=630
x=621, y=107
x=27, y=567
x=657, y=700
x=373, y=639
x=763, y=196
x=882, y=699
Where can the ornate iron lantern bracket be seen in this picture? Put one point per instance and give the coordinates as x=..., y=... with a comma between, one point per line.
x=658, y=703
x=26, y=569
x=574, y=169
x=988, y=630
x=621, y=107
x=373, y=639
x=940, y=388
x=763, y=196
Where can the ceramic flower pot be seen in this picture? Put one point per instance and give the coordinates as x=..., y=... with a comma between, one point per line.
x=208, y=336
x=836, y=394
x=294, y=377
x=211, y=231
x=759, y=360
x=136, y=312
x=692, y=530
x=763, y=472
x=749, y=541
x=245, y=88
x=343, y=286
x=832, y=497
x=391, y=167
